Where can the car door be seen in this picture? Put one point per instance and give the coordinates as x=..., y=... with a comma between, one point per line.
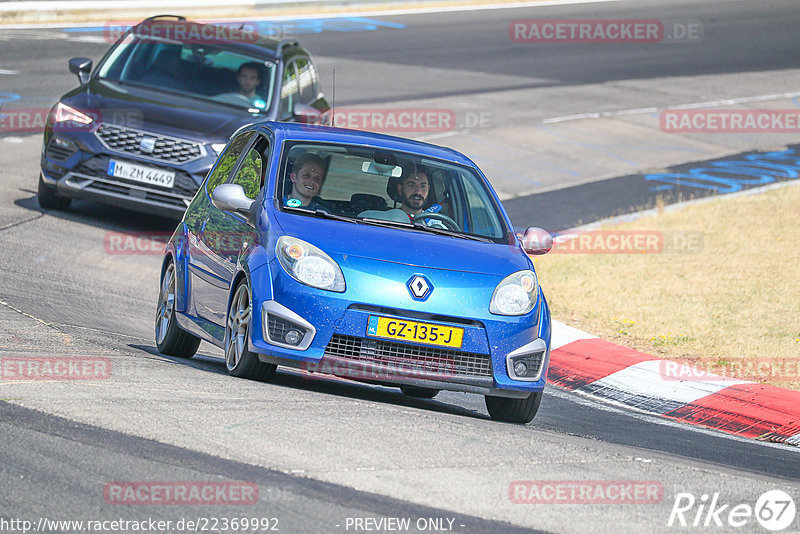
x=228, y=234
x=205, y=276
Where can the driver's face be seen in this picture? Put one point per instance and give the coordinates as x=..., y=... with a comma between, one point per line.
x=248, y=80
x=414, y=191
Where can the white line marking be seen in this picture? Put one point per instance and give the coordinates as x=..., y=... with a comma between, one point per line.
x=563, y=334
x=694, y=105
x=9, y=72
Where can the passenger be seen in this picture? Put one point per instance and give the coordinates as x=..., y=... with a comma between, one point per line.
x=307, y=176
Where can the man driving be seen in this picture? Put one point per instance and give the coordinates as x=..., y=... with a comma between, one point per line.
x=412, y=191
x=248, y=76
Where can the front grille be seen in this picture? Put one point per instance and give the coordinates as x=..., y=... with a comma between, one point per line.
x=128, y=140
x=97, y=167
x=413, y=358
x=277, y=328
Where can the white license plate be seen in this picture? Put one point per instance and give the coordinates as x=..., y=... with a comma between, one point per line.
x=139, y=173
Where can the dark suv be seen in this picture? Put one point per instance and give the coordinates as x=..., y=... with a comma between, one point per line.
x=143, y=129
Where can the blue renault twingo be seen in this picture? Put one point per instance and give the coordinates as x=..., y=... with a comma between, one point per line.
x=363, y=256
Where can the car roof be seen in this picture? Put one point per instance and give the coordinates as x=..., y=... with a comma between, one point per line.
x=290, y=131
x=235, y=38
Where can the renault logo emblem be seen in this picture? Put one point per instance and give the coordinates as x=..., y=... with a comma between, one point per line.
x=419, y=287
x=147, y=144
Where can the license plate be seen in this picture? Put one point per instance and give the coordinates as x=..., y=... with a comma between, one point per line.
x=431, y=334
x=140, y=173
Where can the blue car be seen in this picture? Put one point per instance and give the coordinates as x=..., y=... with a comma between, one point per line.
x=358, y=255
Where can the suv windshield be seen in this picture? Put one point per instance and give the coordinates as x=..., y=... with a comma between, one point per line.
x=388, y=188
x=199, y=70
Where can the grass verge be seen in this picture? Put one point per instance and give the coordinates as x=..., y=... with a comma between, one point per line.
x=718, y=285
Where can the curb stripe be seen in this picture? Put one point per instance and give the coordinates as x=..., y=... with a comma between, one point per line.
x=751, y=410
x=582, y=362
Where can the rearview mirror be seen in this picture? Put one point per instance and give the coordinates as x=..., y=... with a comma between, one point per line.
x=231, y=197
x=81, y=67
x=537, y=241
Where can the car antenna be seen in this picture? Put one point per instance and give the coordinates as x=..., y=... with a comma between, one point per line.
x=333, y=104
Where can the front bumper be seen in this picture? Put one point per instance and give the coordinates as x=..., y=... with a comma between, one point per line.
x=332, y=330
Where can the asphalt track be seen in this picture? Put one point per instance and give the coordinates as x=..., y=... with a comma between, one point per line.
x=322, y=451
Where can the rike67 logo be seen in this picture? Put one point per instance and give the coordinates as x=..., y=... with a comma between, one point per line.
x=774, y=510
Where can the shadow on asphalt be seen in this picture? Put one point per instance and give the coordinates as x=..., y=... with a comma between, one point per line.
x=325, y=384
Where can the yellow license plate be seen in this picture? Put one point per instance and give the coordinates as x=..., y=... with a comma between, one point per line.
x=431, y=334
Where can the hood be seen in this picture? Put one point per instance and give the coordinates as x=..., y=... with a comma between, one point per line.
x=340, y=239
x=165, y=112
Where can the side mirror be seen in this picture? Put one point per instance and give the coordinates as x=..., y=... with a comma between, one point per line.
x=231, y=197
x=537, y=241
x=306, y=114
x=81, y=67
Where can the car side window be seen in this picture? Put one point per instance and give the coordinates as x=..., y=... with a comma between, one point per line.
x=227, y=161
x=289, y=90
x=307, y=80
x=250, y=173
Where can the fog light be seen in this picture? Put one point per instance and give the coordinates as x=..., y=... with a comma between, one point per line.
x=292, y=337
x=520, y=369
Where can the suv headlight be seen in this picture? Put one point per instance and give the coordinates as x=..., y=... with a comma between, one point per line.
x=309, y=265
x=516, y=294
x=64, y=113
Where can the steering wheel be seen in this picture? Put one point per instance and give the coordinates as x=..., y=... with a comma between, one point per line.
x=450, y=223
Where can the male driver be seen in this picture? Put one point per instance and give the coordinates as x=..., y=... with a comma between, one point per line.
x=307, y=176
x=412, y=191
x=249, y=78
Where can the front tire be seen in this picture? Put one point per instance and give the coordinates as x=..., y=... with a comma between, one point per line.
x=170, y=339
x=239, y=360
x=514, y=410
x=418, y=392
x=49, y=199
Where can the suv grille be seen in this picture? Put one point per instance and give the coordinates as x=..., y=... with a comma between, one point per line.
x=169, y=149
x=413, y=358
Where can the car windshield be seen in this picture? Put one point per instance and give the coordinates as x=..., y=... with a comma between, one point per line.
x=200, y=70
x=388, y=188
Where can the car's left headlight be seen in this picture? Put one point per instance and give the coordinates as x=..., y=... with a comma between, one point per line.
x=64, y=113
x=307, y=264
x=516, y=294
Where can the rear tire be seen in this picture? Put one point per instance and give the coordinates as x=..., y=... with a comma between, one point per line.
x=239, y=360
x=170, y=339
x=514, y=410
x=418, y=392
x=49, y=199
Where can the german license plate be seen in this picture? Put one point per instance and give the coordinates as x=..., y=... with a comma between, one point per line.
x=140, y=173
x=431, y=334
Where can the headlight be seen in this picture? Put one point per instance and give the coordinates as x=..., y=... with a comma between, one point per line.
x=64, y=113
x=516, y=294
x=307, y=264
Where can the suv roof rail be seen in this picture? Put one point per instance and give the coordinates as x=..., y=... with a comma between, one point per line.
x=284, y=43
x=155, y=17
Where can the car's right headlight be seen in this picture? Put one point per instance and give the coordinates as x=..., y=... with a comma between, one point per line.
x=64, y=113
x=516, y=294
x=307, y=264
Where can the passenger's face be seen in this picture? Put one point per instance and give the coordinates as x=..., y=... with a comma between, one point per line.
x=414, y=191
x=308, y=180
x=248, y=80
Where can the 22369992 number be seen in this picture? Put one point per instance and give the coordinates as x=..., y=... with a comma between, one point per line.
x=222, y=524
x=431, y=334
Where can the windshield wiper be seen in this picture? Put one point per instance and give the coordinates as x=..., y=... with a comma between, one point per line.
x=384, y=222
x=451, y=233
x=323, y=214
